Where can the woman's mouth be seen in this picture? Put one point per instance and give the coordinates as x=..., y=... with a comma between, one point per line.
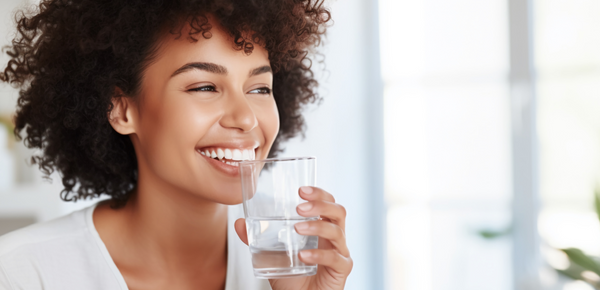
x=228, y=156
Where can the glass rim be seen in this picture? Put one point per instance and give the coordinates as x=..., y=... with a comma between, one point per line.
x=271, y=160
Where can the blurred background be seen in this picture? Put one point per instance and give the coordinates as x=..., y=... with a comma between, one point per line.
x=463, y=137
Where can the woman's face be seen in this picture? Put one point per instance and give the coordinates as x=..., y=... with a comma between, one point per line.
x=203, y=106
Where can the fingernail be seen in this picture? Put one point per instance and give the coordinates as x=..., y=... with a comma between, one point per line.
x=305, y=206
x=305, y=254
x=301, y=226
x=306, y=189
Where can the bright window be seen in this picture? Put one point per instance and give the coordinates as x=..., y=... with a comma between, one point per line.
x=449, y=124
x=447, y=138
x=567, y=57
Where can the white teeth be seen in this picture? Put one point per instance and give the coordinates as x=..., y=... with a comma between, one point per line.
x=237, y=155
x=227, y=162
x=229, y=154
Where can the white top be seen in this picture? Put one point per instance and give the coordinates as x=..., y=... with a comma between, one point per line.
x=68, y=254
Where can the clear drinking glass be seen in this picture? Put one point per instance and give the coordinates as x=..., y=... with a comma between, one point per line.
x=270, y=191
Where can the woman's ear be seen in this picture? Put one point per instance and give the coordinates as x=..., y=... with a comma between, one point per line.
x=122, y=115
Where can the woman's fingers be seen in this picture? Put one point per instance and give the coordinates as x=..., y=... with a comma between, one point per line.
x=240, y=229
x=315, y=193
x=333, y=233
x=331, y=228
x=328, y=258
x=331, y=211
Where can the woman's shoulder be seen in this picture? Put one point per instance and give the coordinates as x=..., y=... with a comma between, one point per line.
x=43, y=234
x=57, y=254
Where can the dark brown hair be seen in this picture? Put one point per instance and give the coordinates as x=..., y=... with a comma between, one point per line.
x=70, y=55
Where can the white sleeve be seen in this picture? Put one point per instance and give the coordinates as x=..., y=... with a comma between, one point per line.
x=4, y=281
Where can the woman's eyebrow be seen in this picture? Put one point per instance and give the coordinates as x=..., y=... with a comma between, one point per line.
x=205, y=66
x=260, y=70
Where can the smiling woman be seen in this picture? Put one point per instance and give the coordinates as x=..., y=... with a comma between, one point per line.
x=153, y=103
x=68, y=60
x=199, y=96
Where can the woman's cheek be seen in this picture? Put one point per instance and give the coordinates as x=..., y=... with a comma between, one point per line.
x=267, y=116
x=270, y=123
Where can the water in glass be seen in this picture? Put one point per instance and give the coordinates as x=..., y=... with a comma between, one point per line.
x=274, y=245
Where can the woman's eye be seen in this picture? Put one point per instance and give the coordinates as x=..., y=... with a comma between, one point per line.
x=203, y=89
x=263, y=90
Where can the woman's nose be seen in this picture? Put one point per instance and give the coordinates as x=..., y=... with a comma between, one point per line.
x=239, y=114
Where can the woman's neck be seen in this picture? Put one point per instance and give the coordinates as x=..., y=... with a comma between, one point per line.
x=172, y=220
x=164, y=230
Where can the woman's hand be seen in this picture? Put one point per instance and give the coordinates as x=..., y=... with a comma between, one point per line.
x=332, y=256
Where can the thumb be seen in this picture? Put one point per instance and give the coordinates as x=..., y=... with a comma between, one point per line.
x=240, y=229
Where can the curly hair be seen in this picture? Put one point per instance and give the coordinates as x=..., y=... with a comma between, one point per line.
x=68, y=58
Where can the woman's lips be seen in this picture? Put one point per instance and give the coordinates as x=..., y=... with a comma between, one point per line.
x=225, y=168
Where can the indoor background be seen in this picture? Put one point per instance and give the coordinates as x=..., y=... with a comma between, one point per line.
x=462, y=136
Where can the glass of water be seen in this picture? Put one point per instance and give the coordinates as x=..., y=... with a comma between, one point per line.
x=270, y=191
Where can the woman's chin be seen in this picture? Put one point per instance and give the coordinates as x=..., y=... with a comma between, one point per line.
x=227, y=197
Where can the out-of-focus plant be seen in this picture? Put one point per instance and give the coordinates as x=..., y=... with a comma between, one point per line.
x=491, y=234
x=8, y=124
x=5, y=121
x=582, y=266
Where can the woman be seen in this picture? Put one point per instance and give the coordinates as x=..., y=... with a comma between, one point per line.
x=124, y=98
